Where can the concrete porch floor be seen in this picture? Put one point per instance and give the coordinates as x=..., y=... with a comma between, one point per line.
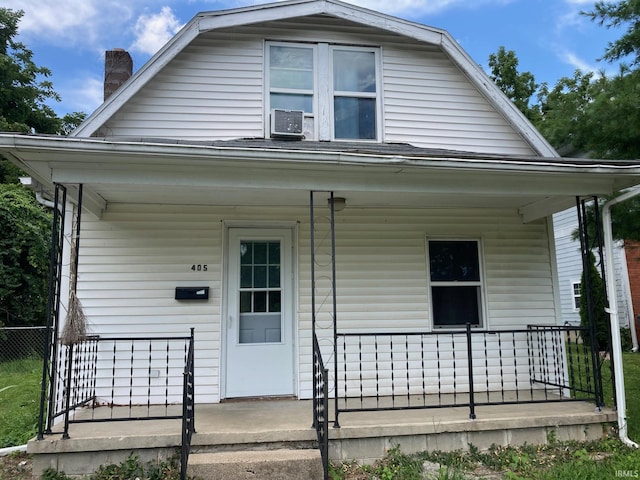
x=270, y=424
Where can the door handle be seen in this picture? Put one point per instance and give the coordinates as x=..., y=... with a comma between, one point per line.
x=230, y=322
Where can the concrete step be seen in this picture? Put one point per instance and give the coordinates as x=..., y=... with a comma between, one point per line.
x=281, y=464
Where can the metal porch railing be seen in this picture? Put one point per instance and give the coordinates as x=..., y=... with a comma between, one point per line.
x=419, y=370
x=105, y=379
x=321, y=405
x=188, y=409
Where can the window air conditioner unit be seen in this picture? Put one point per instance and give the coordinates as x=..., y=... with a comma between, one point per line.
x=287, y=123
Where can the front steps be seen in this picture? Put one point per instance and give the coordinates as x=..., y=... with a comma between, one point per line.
x=280, y=464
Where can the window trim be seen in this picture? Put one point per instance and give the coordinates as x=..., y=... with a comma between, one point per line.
x=267, y=83
x=323, y=93
x=482, y=309
x=375, y=95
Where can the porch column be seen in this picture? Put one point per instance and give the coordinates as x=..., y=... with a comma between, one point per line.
x=50, y=352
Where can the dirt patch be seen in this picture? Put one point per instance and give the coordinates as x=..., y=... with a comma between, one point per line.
x=16, y=466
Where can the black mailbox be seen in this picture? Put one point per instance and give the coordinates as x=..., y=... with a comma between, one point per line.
x=192, y=293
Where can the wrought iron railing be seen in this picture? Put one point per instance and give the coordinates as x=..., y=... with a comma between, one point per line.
x=577, y=375
x=321, y=405
x=469, y=368
x=123, y=378
x=188, y=410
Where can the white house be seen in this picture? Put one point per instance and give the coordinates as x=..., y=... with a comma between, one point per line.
x=197, y=176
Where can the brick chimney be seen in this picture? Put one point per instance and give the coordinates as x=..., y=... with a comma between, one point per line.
x=118, y=67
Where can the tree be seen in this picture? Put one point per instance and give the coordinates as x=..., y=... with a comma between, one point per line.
x=617, y=14
x=71, y=121
x=24, y=87
x=562, y=111
x=24, y=224
x=24, y=256
x=598, y=298
x=519, y=87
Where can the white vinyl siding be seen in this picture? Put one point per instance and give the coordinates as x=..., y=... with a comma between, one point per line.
x=132, y=260
x=214, y=90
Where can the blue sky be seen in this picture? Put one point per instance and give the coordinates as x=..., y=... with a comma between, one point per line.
x=550, y=37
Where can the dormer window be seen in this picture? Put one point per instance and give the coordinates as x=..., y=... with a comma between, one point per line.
x=291, y=76
x=337, y=88
x=354, y=94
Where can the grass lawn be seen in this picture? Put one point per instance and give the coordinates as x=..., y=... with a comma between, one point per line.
x=19, y=400
x=631, y=363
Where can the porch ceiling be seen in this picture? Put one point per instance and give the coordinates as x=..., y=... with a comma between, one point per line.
x=281, y=174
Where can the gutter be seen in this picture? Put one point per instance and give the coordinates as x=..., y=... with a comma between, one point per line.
x=616, y=347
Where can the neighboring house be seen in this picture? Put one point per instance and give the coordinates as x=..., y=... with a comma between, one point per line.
x=632, y=254
x=569, y=260
x=196, y=177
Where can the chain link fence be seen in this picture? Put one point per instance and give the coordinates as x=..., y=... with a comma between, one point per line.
x=21, y=342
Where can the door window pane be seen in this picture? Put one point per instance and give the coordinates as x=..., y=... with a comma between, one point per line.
x=260, y=292
x=274, y=302
x=246, y=276
x=259, y=301
x=260, y=276
x=260, y=253
x=274, y=276
x=245, y=302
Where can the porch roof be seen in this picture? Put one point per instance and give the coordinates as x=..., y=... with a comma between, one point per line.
x=281, y=173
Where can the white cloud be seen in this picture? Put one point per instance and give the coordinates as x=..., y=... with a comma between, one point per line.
x=576, y=62
x=152, y=31
x=82, y=94
x=404, y=8
x=71, y=22
x=52, y=17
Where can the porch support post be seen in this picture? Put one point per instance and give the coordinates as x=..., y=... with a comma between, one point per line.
x=74, y=286
x=313, y=299
x=585, y=248
x=616, y=348
x=335, y=311
x=53, y=313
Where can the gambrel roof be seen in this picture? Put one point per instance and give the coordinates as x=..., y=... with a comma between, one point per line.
x=133, y=165
x=208, y=21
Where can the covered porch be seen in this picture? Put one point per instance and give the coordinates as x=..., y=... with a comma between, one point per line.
x=425, y=383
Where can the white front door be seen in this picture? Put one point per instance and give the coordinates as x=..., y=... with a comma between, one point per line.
x=259, y=336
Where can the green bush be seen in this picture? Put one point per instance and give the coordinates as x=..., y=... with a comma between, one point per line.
x=601, y=318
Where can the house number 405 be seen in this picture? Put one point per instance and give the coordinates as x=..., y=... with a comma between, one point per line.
x=199, y=268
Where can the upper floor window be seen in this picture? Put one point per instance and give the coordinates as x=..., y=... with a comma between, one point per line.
x=354, y=94
x=336, y=86
x=291, y=76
